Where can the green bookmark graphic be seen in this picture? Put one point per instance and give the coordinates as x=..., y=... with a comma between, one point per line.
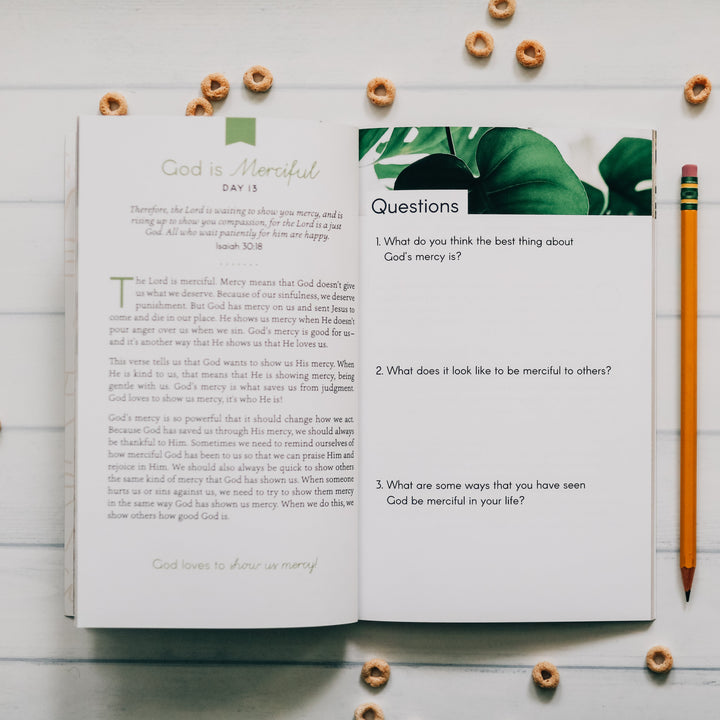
x=240, y=130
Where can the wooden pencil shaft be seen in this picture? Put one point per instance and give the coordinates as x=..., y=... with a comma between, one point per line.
x=688, y=389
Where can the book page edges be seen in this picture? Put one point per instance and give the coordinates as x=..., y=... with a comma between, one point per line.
x=653, y=390
x=70, y=275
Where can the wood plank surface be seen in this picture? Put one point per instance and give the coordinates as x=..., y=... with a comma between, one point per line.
x=609, y=63
x=32, y=629
x=210, y=691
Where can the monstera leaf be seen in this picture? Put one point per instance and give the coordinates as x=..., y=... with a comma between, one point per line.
x=465, y=142
x=425, y=140
x=459, y=141
x=368, y=138
x=596, y=199
x=623, y=168
x=519, y=172
x=436, y=172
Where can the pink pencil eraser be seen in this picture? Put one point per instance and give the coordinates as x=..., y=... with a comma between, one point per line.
x=689, y=170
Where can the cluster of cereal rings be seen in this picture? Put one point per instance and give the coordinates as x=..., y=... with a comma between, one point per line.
x=529, y=53
x=480, y=43
x=381, y=90
x=214, y=86
x=545, y=675
x=375, y=673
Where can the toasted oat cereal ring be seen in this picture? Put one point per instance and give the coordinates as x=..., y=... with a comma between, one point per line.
x=194, y=106
x=369, y=711
x=545, y=675
x=258, y=78
x=486, y=47
x=113, y=103
x=530, y=54
x=215, y=86
x=375, y=672
x=501, y=9
x=381, y=91
x=697, y=89
x=659, y=659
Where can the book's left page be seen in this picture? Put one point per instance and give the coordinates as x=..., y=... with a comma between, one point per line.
x=216, y=371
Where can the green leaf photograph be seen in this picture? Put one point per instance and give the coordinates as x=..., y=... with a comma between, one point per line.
x=510, y=170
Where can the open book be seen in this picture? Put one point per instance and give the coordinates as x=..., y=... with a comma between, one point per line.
x=303, y=390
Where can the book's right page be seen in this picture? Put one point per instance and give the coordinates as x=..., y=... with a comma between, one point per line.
x=507, y=354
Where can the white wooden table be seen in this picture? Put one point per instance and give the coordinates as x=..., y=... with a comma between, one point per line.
x=609, y=62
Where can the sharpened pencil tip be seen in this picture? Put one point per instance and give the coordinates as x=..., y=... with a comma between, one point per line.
x=687, y=577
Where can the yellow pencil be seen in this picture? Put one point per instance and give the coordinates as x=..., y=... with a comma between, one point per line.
x=688, y=375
